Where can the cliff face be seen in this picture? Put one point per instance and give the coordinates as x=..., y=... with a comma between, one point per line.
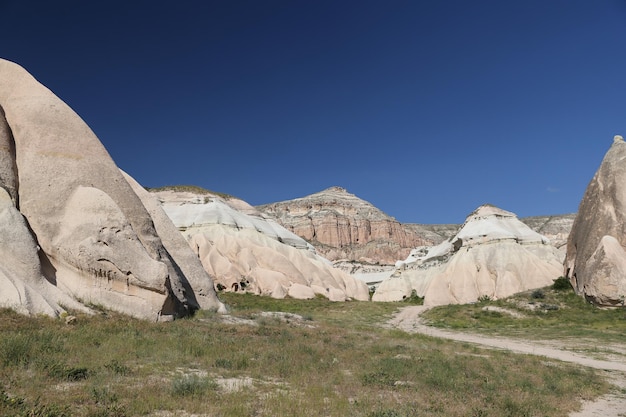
x=342, y=226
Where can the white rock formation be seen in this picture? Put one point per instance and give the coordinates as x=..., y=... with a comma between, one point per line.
x=493, y=254
x=246, y=251
x=63, y=195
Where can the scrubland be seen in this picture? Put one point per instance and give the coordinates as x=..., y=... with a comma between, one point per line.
x=314, y=358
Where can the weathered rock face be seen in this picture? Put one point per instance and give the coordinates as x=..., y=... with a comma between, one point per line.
x=493, y=254
x=63, y=193
x=556, y=228
x=342, y=226
x=248, y=252
x=595, y=261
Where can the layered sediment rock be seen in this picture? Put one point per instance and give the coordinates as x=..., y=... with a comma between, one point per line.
x=493, y=254
x=83, y=233
x=341, y=226
x=247, y=252
x=595, y=261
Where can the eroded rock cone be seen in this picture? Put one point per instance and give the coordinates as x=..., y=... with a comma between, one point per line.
x=62, y=192
x=595, y=261
x=493, y=254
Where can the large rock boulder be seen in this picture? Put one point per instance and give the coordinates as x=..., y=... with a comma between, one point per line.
x=342, y=226
x=63, y=193
x=247, y=252
x=595, y=261
x=493, y=254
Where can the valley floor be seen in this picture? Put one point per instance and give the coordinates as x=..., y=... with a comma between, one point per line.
x=611, y=405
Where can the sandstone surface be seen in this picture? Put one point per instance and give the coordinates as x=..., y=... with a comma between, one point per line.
x=83, y=233
x=595, y=261
x=556, y=228
x=342, y=226
x=493, y=254
x=246, y=251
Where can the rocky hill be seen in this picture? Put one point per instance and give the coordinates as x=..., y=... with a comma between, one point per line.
x=247, y=252
x=342, y=226
x=493, y=254
x=346, y=229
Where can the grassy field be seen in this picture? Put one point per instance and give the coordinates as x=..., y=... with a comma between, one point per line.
x=544, y=314
x=334, y=359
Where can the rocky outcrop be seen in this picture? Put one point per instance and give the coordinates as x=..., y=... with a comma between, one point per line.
x=247, y=252
x=595, y=261
x=82, y=233
x=556, y=228
x=493, y=254
x=341, y=226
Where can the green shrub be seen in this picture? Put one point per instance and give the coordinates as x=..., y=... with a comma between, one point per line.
x=561, y=284
x=414, y=299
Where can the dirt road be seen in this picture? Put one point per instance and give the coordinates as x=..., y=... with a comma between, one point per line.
x=612, y=405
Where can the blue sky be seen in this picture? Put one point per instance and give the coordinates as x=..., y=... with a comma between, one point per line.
x=426, y=109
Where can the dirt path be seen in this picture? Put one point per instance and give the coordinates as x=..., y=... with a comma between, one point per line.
x=612, y=405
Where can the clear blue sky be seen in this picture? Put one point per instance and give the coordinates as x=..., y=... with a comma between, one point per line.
x=426, y=109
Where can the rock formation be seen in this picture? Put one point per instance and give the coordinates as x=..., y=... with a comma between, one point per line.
x=341, y=226
x=595, y=261
x=73, y=228
x=245, y=251
x=556, y=228
x=493, y=254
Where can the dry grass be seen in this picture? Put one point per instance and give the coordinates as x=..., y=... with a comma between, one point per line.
x=335, y=361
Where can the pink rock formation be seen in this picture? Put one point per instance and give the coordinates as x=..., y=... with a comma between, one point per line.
x=342, y=226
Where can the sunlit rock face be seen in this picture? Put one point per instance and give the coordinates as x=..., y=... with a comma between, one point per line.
x=493, y=254
x=84, y=233
x=247, y=252
x=595, y=261
x=341, y=226
x=556, y=227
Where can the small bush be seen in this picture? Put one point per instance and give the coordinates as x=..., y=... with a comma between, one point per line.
x=538, y=294
x=66, y=373
x=561, y=284
x=190, y=385
x=414, y=299
x=484, y=298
